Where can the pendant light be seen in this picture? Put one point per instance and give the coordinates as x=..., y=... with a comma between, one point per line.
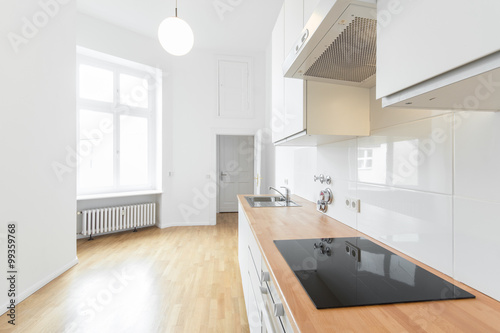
x=175, y=35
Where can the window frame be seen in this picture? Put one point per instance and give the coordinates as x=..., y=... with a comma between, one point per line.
x=120, y=66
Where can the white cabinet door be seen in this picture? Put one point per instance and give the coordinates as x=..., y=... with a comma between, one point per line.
x=294, y=106
x=244, y=234
x=418, y=40
x=294, y=88
x=309, y=6
x=294, y=22
x=278, y=81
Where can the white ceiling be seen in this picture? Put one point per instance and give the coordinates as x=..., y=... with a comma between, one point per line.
x=236, y=24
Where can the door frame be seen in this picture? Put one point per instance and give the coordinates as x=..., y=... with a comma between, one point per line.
x=214, y=176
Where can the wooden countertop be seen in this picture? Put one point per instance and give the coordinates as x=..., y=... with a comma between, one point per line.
x=481, y=314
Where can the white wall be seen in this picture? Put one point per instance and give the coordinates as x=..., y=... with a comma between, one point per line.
x=190, y=122
x=431, y=191
x=37, y=125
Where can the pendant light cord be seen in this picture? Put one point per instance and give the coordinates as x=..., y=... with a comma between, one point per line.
x=175, y=8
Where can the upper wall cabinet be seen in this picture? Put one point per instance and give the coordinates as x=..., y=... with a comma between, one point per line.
x=438, y=54
x=287, y=94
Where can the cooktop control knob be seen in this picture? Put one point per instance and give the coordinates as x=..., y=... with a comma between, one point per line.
x=279, y=310
x=325, y=198
x=326, y=195
x=263, y=290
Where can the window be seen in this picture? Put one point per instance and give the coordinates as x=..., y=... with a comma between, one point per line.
x=117, y=106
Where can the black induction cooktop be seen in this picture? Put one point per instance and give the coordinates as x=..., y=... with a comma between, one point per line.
x=354, y=271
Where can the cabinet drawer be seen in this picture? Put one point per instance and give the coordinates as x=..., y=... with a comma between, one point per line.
x=255, y=257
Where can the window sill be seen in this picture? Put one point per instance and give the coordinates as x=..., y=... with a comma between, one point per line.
x=117, y=195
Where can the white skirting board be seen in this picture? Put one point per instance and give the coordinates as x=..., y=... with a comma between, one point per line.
x=185, y=224
x=34, y=288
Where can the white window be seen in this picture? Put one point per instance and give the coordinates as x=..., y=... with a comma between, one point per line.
x=117, y=106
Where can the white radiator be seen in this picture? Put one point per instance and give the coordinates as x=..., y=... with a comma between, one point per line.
x=102, y=220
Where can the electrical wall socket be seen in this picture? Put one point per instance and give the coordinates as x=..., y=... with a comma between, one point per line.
x=353, y=204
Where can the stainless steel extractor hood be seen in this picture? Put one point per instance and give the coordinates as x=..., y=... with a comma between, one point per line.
x=337, y=45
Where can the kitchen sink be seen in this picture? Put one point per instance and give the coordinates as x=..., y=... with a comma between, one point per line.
x=269, y=201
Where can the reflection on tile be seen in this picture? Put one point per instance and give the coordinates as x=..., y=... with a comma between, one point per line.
x=415, y=156
x=338, y=160
x=416, y=223
x=477, y=155
x=476, y=245
x=284, y=167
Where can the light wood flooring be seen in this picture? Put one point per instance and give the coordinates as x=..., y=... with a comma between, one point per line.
x=182, y=279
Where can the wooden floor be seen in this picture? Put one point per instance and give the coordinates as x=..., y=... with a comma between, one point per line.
x=182, y=279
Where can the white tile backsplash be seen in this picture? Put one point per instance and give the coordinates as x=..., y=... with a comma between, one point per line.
x=416, y=223
x=477, y=249
x=427, y=181
x=477, y=155
x=417, y=156
x=337, y=209
x=305, y=164
x=338, y=160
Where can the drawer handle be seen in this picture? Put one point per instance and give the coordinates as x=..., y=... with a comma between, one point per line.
x=265, y=277
x=279, y=311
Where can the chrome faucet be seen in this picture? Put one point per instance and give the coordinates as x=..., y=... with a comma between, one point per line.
x=287, y=191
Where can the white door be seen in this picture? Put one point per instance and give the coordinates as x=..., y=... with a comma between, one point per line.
x=236, y=165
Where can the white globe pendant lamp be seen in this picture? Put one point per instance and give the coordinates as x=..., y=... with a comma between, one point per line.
x=175, y=35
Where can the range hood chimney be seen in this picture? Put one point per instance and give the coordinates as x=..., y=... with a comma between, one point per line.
x=337, y=45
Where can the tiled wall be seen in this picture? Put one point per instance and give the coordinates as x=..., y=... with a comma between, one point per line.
x=428, y=184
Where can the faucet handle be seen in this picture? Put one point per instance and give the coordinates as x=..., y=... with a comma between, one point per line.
x=286, y=189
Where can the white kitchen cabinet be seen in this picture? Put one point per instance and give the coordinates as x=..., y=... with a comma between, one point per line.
x=419, y=40
x=294, y=22
x=287, y=94
x=295, y=117
x=253, y=269
x=278, y=81
x=309, y=6
x=249, y=258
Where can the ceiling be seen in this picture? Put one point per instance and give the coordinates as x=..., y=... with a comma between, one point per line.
x=217, y=24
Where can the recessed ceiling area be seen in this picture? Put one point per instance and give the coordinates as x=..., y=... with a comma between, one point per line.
x=217, y=24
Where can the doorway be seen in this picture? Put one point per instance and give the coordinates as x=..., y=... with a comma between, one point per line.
x=235, y=170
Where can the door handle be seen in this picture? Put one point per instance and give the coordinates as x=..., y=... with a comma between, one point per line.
x=222, y=174
x=258, y=178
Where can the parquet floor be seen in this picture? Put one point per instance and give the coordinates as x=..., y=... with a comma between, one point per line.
x=181, y=279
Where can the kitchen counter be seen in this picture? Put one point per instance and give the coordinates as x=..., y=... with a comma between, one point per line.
x=481, y=314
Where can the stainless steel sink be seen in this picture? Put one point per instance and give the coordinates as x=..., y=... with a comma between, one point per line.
x=269, y=201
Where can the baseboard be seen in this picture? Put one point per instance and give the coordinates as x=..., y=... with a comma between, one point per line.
x=34, y=288
x=185, y=224
x=80, y=236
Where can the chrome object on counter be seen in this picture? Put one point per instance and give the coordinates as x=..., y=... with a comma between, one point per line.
x=269, y=201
